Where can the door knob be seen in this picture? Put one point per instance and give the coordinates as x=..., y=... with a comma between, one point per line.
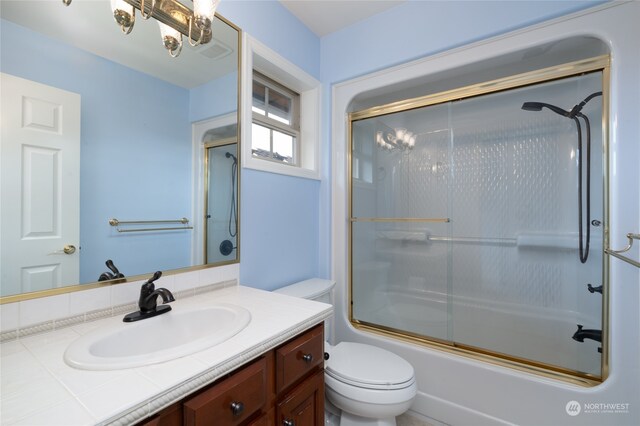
x=69, y=249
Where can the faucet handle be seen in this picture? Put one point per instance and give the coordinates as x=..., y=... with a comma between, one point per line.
x=147, y=288
x=155, y=276
x=112, y=267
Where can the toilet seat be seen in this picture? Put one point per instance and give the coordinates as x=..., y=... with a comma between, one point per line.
x=368, y=367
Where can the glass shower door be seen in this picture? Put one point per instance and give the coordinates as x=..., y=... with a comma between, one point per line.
x=477, y=222
x=394, y=261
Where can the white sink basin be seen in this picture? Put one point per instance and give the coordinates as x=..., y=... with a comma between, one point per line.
x=158, y=339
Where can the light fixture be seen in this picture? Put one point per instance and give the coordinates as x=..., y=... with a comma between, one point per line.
x=124, y=15
x=175, y=19
x=171, y=39
x=396, y=139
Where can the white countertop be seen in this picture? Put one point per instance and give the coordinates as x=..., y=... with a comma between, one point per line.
x=38, y=388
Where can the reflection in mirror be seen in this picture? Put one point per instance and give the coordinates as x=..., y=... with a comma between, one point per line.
x=97, y=125
x=221, y=206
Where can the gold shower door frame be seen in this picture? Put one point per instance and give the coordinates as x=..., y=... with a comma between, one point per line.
x=571, y=69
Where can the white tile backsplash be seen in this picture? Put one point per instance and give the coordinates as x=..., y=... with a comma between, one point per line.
x=125, y=293
x=90, y=300
x=185, y=281
x=36, y=311
x=43, y=311
x=9, y=316
x=210, y=276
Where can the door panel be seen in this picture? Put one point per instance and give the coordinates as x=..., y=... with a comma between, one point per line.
x=40, y=186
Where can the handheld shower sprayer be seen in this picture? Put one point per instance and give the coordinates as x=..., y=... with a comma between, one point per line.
x=574, y=114
x=227, y=246
x=230, y=155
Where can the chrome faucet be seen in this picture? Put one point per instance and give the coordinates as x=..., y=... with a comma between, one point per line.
x=148, y=301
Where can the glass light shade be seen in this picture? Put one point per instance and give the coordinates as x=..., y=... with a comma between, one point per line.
x=171, y=39
x=205, y=8
x=167, y=31
x=121, y=5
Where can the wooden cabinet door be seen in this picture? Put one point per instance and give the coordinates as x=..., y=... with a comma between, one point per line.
x=304, y=406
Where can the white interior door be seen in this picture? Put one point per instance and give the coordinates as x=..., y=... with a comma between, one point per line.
x=40, y=186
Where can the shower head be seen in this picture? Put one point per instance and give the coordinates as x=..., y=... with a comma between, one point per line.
x=537, y=106
x=230, y=155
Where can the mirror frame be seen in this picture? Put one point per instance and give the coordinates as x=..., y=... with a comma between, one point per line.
x=100, y=284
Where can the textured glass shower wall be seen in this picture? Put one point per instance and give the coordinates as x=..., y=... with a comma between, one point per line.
x=221, y=215
x=465, y=224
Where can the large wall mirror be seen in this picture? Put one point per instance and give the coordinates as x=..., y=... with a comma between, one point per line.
x=112, y=150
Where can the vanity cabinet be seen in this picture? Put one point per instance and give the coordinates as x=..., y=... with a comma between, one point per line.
x=283, y=387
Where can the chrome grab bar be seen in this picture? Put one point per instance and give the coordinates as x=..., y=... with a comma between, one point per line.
x=618, y=253
x=476, y=240
x=117, y=223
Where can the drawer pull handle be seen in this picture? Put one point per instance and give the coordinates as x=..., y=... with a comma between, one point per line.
x=307, y=358
x=237, y=408
x=288, y=422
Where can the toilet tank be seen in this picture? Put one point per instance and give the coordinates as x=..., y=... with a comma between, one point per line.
x=313, y=289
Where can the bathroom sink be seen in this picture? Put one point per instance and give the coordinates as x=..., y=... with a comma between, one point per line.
x=158, y=339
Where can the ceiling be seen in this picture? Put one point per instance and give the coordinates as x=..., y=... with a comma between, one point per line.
x=89, y=25
x=326, y=16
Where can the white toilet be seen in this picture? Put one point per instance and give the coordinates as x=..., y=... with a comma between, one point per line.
x=368, y=385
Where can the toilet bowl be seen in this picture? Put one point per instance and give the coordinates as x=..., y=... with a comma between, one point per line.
x=368, y=385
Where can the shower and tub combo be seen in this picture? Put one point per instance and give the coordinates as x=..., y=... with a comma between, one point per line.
x=465, y=229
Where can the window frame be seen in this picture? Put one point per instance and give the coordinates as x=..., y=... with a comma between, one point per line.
x=263, y=120
x=269, y=63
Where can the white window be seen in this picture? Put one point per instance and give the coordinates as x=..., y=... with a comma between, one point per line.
x=275, y=128
x=280, y=114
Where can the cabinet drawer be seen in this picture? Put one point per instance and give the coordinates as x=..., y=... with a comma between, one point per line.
x=299, y=356
x=231, y=401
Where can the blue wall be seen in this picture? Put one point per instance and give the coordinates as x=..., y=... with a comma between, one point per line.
x=299, y=247
x=279, y=214
x=417, y=29
x=273, y=24
x=217, y=97
x=127, y=118
x=286, y=221
x=279, y=229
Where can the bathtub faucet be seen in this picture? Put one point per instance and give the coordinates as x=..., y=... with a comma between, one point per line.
x=581, y=334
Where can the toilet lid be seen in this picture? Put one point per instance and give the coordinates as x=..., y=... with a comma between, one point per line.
x=368, y=366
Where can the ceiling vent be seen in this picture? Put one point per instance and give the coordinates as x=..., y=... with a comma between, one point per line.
x=215, y=50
